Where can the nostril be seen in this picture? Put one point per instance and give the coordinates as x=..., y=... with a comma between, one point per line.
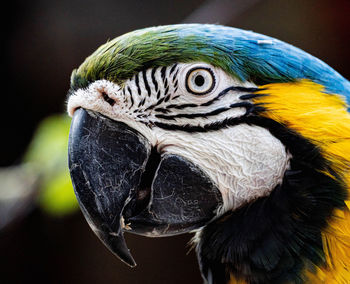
x=107, y=98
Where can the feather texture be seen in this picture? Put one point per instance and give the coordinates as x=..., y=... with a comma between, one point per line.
x=301, y=231
x=322, y=119
x=246, y=55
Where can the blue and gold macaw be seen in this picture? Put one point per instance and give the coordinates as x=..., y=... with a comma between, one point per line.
x=236, y=136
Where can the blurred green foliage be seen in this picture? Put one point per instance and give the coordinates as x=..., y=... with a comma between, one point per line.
x=47, y=155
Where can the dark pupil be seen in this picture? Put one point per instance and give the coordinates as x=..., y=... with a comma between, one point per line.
x=199, y=80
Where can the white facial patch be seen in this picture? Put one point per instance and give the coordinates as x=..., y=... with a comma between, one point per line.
x=177, y=108
x=245, y=162
x=161, y=95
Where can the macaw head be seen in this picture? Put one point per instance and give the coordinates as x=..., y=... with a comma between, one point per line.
x=237, y=136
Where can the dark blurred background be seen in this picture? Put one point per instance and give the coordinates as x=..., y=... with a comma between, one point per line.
x=44, y=40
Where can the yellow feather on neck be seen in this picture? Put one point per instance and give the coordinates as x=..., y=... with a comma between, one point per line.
x=234, y=280
x=322, y=119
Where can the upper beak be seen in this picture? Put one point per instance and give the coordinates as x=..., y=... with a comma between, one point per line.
x=122, y=183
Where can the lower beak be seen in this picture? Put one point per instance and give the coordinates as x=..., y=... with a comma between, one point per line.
x=123, y=184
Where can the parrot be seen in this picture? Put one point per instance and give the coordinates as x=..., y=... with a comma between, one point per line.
x=234, y=136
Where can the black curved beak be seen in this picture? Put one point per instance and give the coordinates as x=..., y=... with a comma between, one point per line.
x=122, y=184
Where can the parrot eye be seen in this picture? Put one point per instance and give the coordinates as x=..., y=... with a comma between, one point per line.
x=200, y=81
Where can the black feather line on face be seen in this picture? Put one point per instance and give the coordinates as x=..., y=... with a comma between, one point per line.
x=224, y=92
x=145, y=81
x=163, y=72
x=267, y=241
x=154, y=81
x=247, y=105
x=172, y=69
x=251, y=111
x=137, y=84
